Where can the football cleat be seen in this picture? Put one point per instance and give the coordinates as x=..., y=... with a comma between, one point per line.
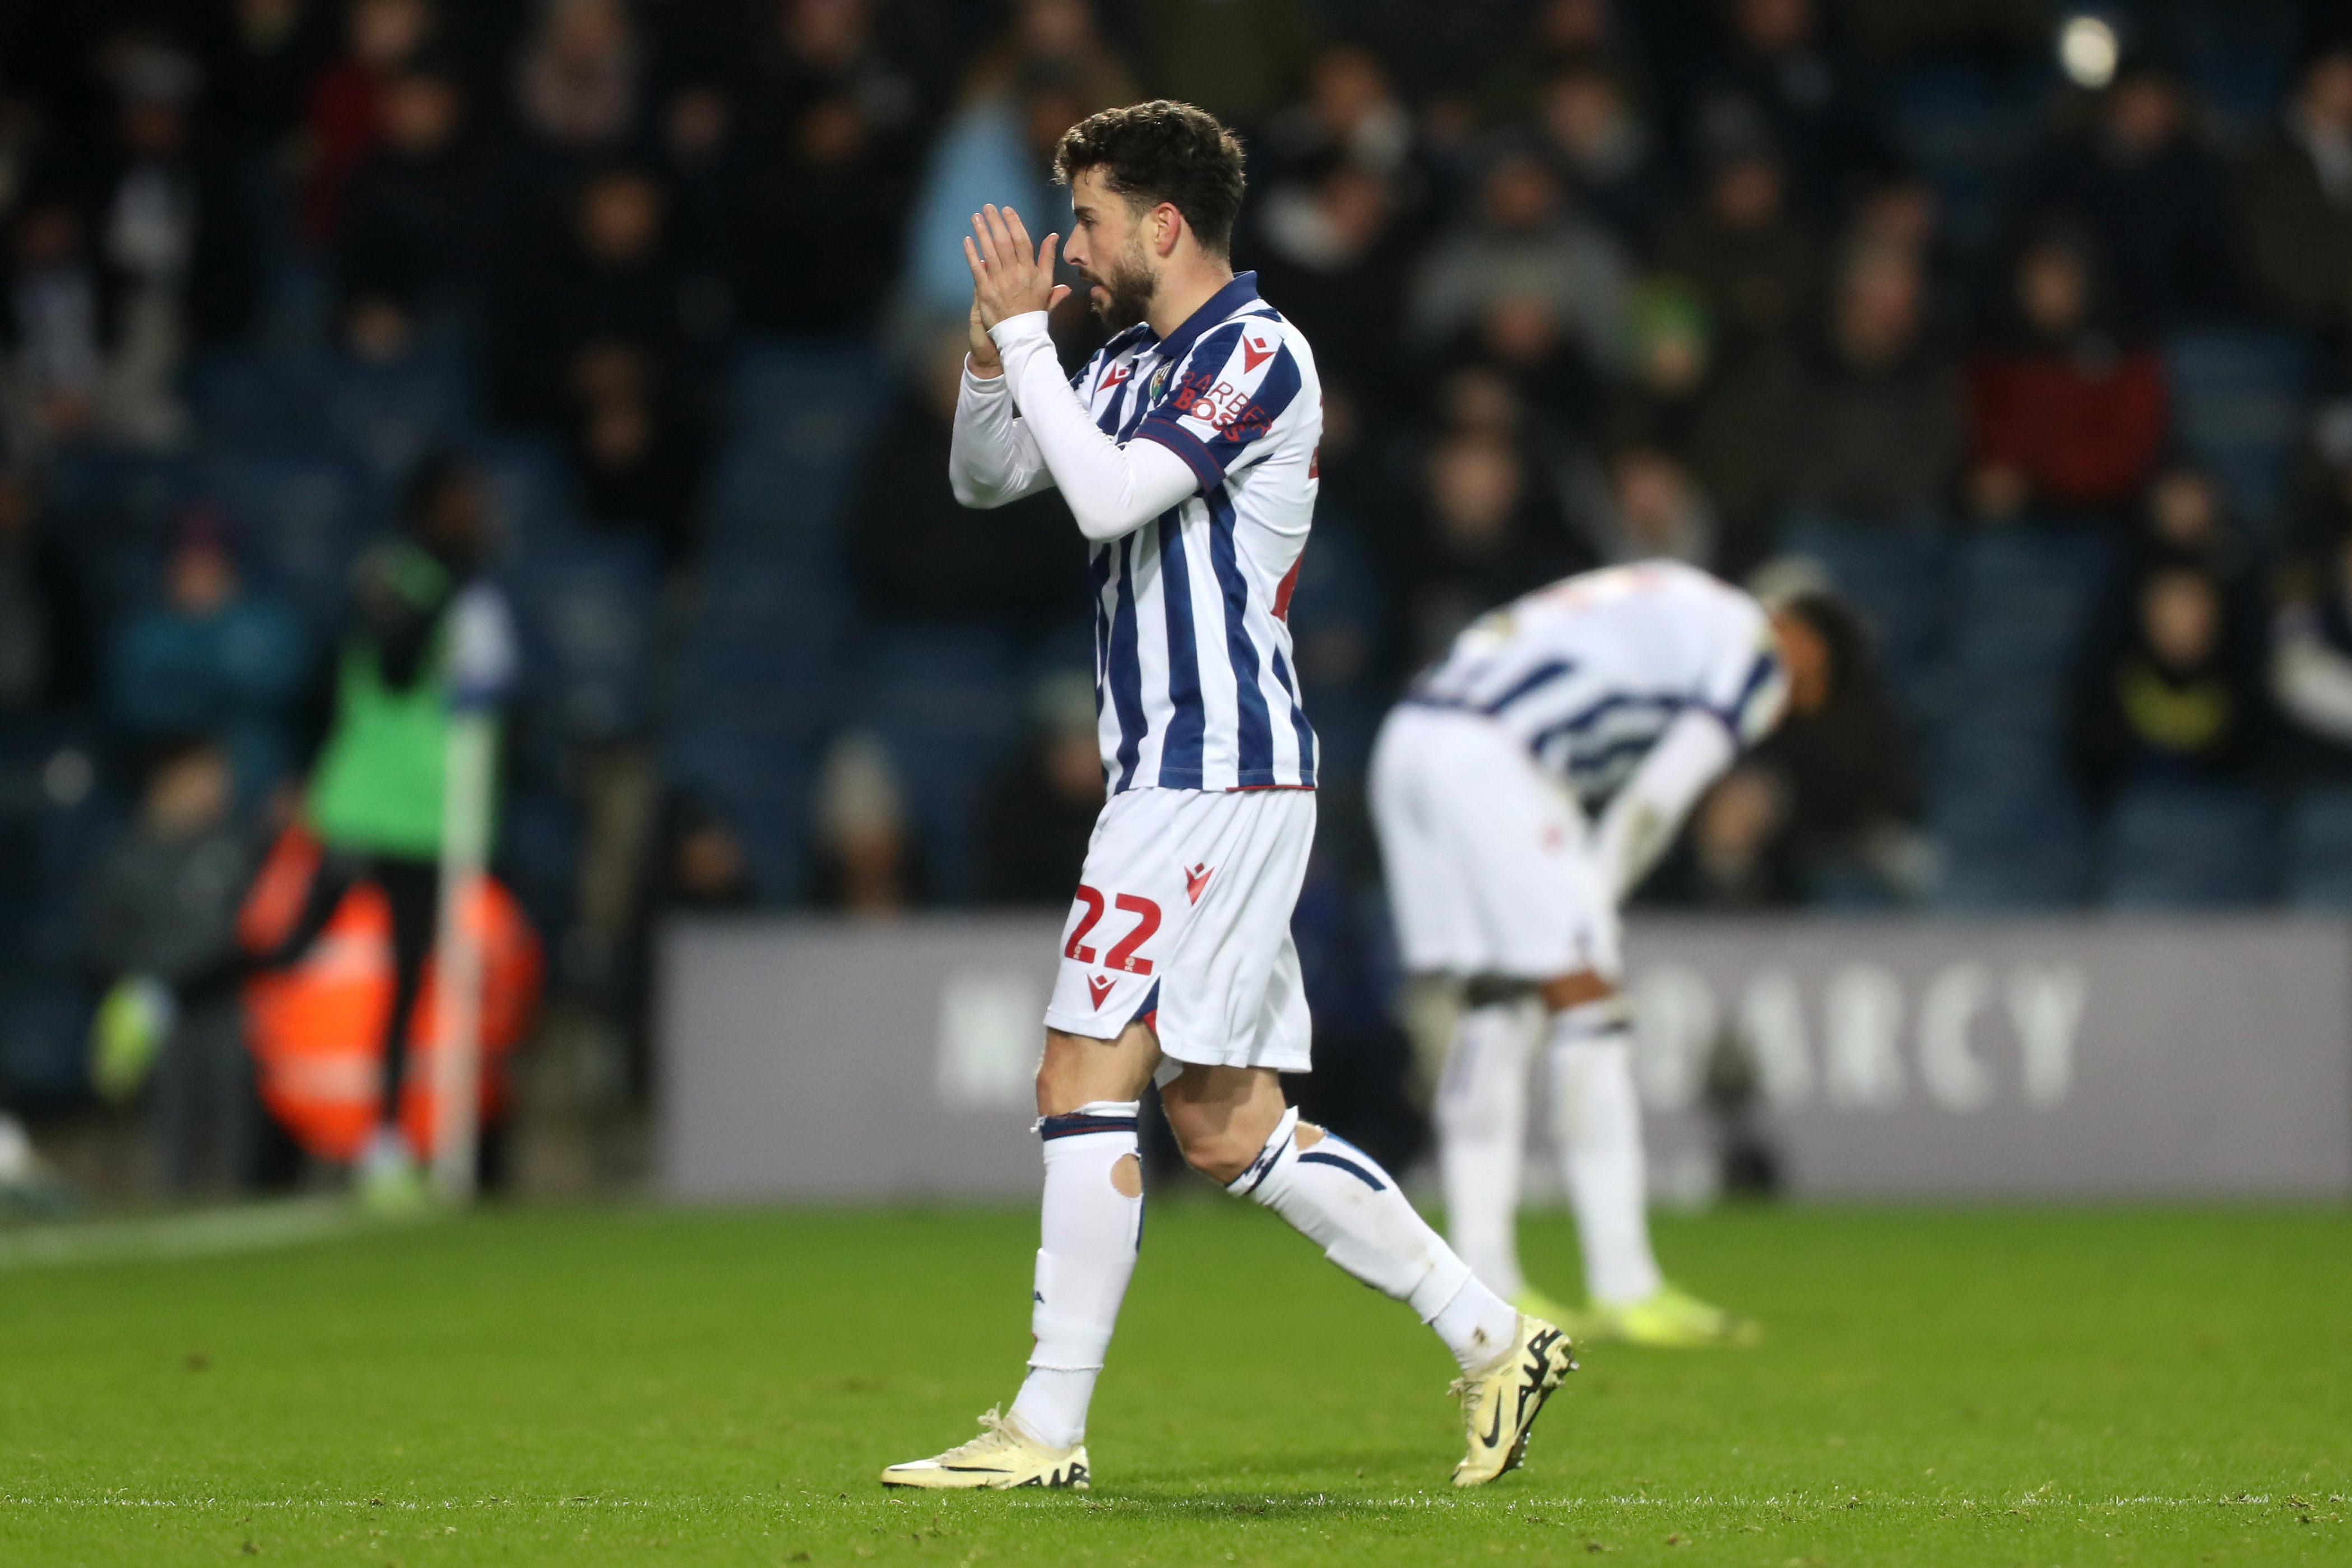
x=1671, y=1319
x=1501, y=1401
x=1003, y=1456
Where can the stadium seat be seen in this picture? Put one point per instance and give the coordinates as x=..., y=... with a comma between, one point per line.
x=945, y=705
x=1896, y=579
x=299, y=516
x=587, y=612
x=2237, y=412
x=530, y=492
x=2176, y=846
x=44, y=1036
x=764, y=782
x=2317, y=850
x=1965, y=124
x=800, y=416
x=238, y=394
x=387, y=416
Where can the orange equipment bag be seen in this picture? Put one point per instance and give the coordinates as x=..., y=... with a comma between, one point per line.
x=316, y=1026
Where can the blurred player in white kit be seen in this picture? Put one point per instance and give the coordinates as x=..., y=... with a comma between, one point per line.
x=1186, y=450
x=1522, y=788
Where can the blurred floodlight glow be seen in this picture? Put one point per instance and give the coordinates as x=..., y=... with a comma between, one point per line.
x=2088, y=51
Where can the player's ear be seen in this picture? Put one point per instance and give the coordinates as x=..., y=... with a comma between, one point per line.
x=1167, y=221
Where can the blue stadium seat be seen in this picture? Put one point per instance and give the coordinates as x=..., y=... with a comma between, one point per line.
x=765, y=783
x=530, y=492
x=113, y=512
x=2186, y=847
x=2001, y=802
x=945, y=705
x=538, y=855
x=587, y=619
x=1896, y=578
x=238, y=394
x=2317, y=850
x=387, y=416
x=2237, y=412
x=1965, y=124
x=44, y=1036
x=800, y=418
x=300, y=517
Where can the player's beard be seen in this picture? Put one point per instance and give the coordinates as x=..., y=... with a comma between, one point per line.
x=1129, y=283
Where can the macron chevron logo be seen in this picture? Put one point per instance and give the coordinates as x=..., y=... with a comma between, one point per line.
x=1099, y=986
x=1197, y=879
x=1256, y=351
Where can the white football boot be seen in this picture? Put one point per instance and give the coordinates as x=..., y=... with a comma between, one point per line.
x=1501, y=1401
x=1003, y=1456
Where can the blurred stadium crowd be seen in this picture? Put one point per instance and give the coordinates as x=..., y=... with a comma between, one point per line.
x=2025, y=330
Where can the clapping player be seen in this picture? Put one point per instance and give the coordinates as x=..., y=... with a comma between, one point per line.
x=1186, y=450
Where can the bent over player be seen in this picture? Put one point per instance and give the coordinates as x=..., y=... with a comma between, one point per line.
x=1186, y=450
x=1521, y=789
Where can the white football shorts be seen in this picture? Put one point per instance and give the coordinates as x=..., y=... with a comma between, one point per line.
x=1182, y=919
x=1489, y=869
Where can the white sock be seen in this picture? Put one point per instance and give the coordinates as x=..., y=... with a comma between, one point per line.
x=1482, y=1125
x=1087, y=1233
x=1338, y=1198
x=1597, y=1122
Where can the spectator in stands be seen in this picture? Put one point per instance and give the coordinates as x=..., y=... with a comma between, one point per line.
x=1488, y=531
x=44, y=654
x=213, y=657
x=1563, y=38
x=578, y=87
x=1235, y=61
x=53, y=325
x=415, y=222
x=612, y=282
x=1524, y=274
x=998, y=148
x=1727, y=425
x=2293, y=200
x=1877, y=440
x=842, y=105
x=341, y=114
x=1332, y=257
x=703, y=866
x=1349, y=113
x=916, y=553
x=1058, y=39
x=2140, y=178
x=1040, y=812
x=1781, y=59
x=2310, y=673
x=159, y=920
x=172, y=246
x=636, y=446
x=2175, y=698
x=269, y=54
x=1654, y=512
x=2065, y=416
x=1752, y=258
x=1602, y=152
x=861, y=827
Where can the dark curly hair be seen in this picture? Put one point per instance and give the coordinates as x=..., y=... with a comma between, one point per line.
x=1162, y=151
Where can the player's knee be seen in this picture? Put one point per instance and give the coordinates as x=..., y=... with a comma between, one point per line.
x=1220, y=1156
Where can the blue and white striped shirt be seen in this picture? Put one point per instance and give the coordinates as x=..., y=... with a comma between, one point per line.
x=1195, y=683
x=1589, y=672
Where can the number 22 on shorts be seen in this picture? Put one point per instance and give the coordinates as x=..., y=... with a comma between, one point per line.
x=1122, y=953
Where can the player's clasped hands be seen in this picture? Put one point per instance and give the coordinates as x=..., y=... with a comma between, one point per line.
x=1010, y=277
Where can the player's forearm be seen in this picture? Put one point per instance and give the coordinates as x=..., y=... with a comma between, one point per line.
x=991, y=461
x=1648, y=812
x=1111, y=490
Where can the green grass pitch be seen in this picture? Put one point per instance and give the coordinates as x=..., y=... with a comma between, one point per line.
x=2029, y=1387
